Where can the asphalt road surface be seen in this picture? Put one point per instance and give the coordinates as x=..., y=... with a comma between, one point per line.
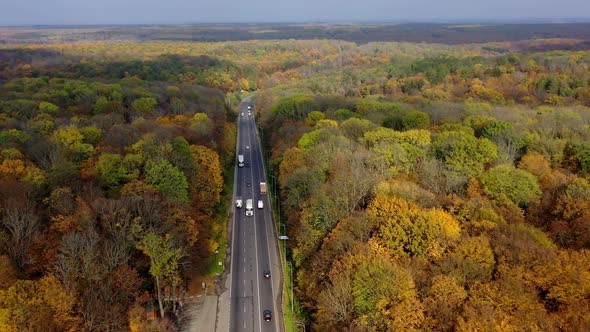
x=254, y=241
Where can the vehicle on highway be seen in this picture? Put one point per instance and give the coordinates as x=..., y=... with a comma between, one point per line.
x=239, y=202
x=247, y=147
x=260, y=204
x=248, y=184
x=249, y=113
x=267, y=314
x=249, y=211
x=241, y=160
x=249, y=107
x=263, y=189
x=266, y=274
x=242, y=113
x=247, y=164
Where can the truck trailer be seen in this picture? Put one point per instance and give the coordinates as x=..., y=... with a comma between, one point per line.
x=263, y=188
x=249, y=211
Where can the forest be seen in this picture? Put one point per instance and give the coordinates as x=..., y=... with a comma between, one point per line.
x=423, y=186
x=110, y=191
x=444, y=33
x=437, y=193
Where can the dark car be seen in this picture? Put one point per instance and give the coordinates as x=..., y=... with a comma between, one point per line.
x=247, y=164
x=248, y=184
x=266, y=274
x=267, y=314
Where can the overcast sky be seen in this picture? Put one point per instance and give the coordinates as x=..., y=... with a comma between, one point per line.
x=33, y=12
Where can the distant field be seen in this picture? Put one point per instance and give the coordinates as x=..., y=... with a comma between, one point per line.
x=359, y=33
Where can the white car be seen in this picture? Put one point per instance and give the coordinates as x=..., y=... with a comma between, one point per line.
x=242, y=113
x=247, y=147
x=249, y=107
x=249, y=114
x=260, y=204
x=239, y=203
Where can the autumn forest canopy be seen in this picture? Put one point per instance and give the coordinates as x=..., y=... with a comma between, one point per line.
x=441, y=185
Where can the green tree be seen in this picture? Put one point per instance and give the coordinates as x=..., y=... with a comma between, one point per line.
x=70, y=139
x=92, y=135
x=577, y=156
x=313, y=118
x=113, y=171
x=464, y=153
x=416, y=120
x=101, y=105
x=144, y=105
x=164, y=260
x=48, y=107
x=500, y=132
x=296, y=107
x=43, y=124
x=355, y=128
x=517, y=185
x=14, y=136
x=168, y=179
x=68, y=136
x=181, y=157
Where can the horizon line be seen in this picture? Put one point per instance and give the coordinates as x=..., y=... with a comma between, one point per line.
x=523, y=20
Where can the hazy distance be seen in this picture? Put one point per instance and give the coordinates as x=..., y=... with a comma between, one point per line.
x=90, y=12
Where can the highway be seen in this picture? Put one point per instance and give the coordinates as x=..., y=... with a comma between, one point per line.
x=254, y=241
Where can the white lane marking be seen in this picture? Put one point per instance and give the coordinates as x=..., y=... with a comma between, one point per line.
x=255, y=232
x=260, y=156
x=244, y=324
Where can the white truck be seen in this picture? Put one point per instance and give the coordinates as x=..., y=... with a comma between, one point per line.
x=241, y=160
x=249, y=211
x=263, y=188
x=239, y=202
x=260, y=204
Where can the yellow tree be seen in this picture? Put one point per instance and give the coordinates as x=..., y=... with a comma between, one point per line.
x=293, y=161
x=62, y=301
x=208, y=182
x=43, y=305
x=404, y=228
x=443, y=303
x=244, y=84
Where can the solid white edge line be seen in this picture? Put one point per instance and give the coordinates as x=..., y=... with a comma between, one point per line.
x=233, y=240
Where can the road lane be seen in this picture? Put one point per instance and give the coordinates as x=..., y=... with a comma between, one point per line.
x=253, y=241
